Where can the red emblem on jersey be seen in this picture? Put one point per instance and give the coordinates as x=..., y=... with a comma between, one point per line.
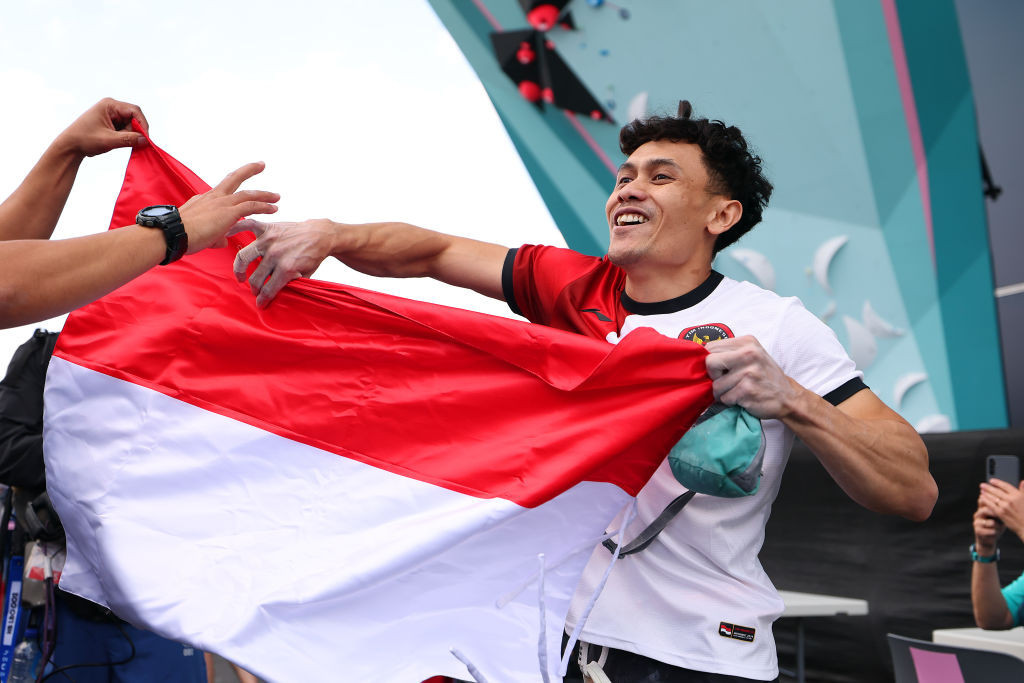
x=708, y=332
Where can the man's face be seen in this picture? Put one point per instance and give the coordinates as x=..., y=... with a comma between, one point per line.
x=660, y=207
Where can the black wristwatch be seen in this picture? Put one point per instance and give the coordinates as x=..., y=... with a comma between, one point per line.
x=166, y=218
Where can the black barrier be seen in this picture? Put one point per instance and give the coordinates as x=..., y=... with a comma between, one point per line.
x=915, y=576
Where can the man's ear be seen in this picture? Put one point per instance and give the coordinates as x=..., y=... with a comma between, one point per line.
x=727, y=214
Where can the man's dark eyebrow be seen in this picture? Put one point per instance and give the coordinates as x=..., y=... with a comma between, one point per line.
x=650, y=163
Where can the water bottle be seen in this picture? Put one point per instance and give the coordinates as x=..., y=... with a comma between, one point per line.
x=25, y=664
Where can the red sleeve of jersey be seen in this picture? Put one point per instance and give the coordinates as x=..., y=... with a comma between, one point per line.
x=534, y=277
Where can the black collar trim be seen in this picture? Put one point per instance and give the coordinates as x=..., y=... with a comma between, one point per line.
x=691, y=298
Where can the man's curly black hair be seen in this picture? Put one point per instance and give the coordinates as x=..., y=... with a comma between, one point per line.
x=733, y=169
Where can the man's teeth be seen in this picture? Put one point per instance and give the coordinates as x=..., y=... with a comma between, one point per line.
x=630, y=219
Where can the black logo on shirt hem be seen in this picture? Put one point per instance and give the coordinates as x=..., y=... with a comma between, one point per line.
x=736, y=632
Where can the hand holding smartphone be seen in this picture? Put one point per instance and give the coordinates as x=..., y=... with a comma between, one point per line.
x=1003, y=467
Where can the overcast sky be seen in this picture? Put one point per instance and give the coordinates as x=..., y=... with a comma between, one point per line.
x=362, y=110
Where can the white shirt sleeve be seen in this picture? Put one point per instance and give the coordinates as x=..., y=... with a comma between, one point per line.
x=808, y=351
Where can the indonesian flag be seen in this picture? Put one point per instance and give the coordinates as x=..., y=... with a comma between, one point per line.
x=345, y=485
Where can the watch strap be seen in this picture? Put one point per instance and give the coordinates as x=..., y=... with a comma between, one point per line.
x=174, y=233
x=984, y=559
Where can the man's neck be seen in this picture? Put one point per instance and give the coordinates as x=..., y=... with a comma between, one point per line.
x=646, y=287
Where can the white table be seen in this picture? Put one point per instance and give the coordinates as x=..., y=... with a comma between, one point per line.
x=802, y=605
x=1010, y=642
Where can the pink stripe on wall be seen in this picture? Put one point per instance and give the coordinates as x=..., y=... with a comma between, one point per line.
x=899, y=59
x=482, y=8
x=591, y=142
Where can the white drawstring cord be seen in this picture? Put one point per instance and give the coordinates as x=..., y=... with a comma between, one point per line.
x=588, y=545
x=539, y=576
x=542, y=644
x=597, y=591
x=473, y=671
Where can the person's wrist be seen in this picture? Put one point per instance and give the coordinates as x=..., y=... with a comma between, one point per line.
x=984, y=555
x=190, y=222
x=341, y=238
x=65, y=149
x=796, y=403
x=985, y=546
x=166, y=219
x=799, y=398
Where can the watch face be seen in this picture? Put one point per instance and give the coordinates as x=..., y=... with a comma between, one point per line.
x=157, y=211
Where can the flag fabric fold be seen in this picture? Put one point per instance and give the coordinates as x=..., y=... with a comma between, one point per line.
x=346, y=485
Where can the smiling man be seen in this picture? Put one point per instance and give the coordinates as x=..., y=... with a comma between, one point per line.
x=695, y=605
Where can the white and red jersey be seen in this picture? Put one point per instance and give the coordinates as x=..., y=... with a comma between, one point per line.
x=697, y=597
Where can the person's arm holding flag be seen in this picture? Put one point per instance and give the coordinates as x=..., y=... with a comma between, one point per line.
x=41, y=279
x=32, y=210
x=293, y=250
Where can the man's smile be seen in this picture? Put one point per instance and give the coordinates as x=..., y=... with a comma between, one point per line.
x=630, y=219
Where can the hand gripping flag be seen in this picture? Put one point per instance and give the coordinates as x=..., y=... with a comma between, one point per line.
x=345, y=485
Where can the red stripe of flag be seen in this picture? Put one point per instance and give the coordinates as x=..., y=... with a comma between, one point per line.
x=478, y=404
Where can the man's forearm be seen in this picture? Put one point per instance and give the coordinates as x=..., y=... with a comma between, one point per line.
x=287, y=251
x=403, y=250
x=389, y=249
x=990, y=609
x=875, y=456
x=42, y=279
x=32, y=210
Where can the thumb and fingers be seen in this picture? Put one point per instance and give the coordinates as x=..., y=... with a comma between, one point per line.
x=116, y=139
x=270, y=288
x=1002, y=486
x=717, y=364
x=210, y=216
x=267, y=279
x=276, y=264
x=722, y=354
x=244, y=257
x=252, y=251
x=997, y=493
x=266, y=234
x=107, y=126
x=122, y=113
x=986, y=522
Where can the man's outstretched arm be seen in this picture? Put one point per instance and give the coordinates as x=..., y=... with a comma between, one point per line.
x=41, y=278
x=292, y=250
x=874, y=455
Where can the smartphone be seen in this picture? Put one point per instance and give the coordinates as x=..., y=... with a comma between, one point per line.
x=1004, y=467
